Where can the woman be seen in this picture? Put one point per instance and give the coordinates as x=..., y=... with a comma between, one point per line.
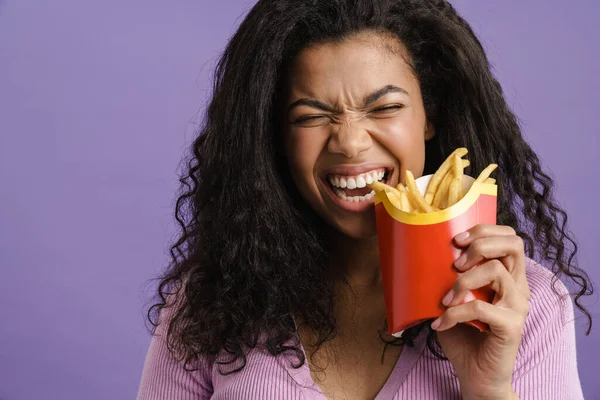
x=275, y=291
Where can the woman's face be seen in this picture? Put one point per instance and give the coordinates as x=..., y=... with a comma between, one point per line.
x=353, y=114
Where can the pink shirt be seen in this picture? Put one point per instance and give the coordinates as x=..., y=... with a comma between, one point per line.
x=546, y=366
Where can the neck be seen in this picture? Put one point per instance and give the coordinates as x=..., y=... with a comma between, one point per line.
x=359, y=304
x=357, y=261
x=358, y=289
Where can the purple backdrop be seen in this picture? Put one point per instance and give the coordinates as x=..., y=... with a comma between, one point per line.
x=98, y=100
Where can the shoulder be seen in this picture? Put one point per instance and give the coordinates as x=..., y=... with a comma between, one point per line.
x=550, y=301
x=165, y=374
x=550, y=317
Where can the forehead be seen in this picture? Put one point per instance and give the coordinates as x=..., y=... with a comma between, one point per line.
x=354, y=66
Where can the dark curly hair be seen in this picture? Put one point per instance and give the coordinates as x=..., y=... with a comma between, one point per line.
x=252, y=255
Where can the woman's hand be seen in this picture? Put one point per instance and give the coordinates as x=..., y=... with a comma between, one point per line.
x=484, y=362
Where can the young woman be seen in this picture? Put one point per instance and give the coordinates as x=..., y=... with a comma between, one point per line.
x=275, y=292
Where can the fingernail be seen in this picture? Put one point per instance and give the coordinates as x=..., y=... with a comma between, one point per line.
x=436, y=324
x=448, y=298
x=461, y=236
x=460, y=261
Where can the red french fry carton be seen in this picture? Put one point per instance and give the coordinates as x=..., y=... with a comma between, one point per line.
x=417, y=253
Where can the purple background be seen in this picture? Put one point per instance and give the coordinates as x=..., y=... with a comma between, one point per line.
x=97, y=102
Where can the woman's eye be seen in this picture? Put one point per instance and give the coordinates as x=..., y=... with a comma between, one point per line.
x=388, y=108
x=308, y=118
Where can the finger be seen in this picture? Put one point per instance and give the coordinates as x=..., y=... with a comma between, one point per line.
x=508, y=249
x=493, y=247
x=492, y=273
x=503, y=322
x=479, y=231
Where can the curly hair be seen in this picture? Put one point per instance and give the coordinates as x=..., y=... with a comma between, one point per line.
x=251, y=254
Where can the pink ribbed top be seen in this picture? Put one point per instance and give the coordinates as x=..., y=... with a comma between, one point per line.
x=546, y=366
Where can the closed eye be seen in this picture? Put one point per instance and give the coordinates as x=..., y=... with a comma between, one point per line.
x=388, y=108
x=308, y=118
x=381, y=110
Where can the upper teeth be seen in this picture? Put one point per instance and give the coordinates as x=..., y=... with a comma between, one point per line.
x=357, y=181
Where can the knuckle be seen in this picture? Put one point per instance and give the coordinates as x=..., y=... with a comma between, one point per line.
x=449, y=315
x=461, y=283
x=497, y=267
x=476, y=247
x=519, y=244
x=511, y=231
x=478, y=306
x=481, y=229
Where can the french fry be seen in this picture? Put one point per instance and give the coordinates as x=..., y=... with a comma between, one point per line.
x=406, y=206
x=394, y=199
x=442, y=192
x=394, y=194
x=404, y=202
x=444, y=188
x=415, y=196
x=453, y=192
x=457, y=170
x=379, y=186
x=401, y=187
x=436, y=179
x=486, y=172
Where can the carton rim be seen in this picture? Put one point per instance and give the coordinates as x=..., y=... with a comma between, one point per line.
x=476, y=189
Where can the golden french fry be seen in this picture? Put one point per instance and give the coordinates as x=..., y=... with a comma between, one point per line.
x=437, y=177
x=394, y=194
x=486, y=172
x=457, y=170
x=404, y=202
x=379, y=186
x=490, y=181
x=404, y=198
x=414, y=195
x=442, y=192
x=453, y=192
x=395, y=200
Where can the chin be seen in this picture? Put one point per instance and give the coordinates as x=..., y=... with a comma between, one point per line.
x=357, y=229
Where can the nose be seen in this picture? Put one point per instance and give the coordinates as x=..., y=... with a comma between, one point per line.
x=349, y=139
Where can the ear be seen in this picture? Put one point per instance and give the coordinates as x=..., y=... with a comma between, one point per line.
x=429, y=131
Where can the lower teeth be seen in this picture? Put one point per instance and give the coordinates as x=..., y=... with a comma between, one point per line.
x=354, y=199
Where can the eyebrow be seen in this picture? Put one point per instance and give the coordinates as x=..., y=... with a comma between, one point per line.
x=370, y=99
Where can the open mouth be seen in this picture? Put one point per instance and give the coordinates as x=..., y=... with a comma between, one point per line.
x=354, y=188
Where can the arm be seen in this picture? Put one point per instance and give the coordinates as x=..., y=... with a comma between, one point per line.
x=164, y=376
x=547, y=359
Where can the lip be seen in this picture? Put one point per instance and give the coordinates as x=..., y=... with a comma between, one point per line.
x=350, y=170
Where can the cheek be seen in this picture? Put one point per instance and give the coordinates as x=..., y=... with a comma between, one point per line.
x=404, y=139
x=302, y=150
